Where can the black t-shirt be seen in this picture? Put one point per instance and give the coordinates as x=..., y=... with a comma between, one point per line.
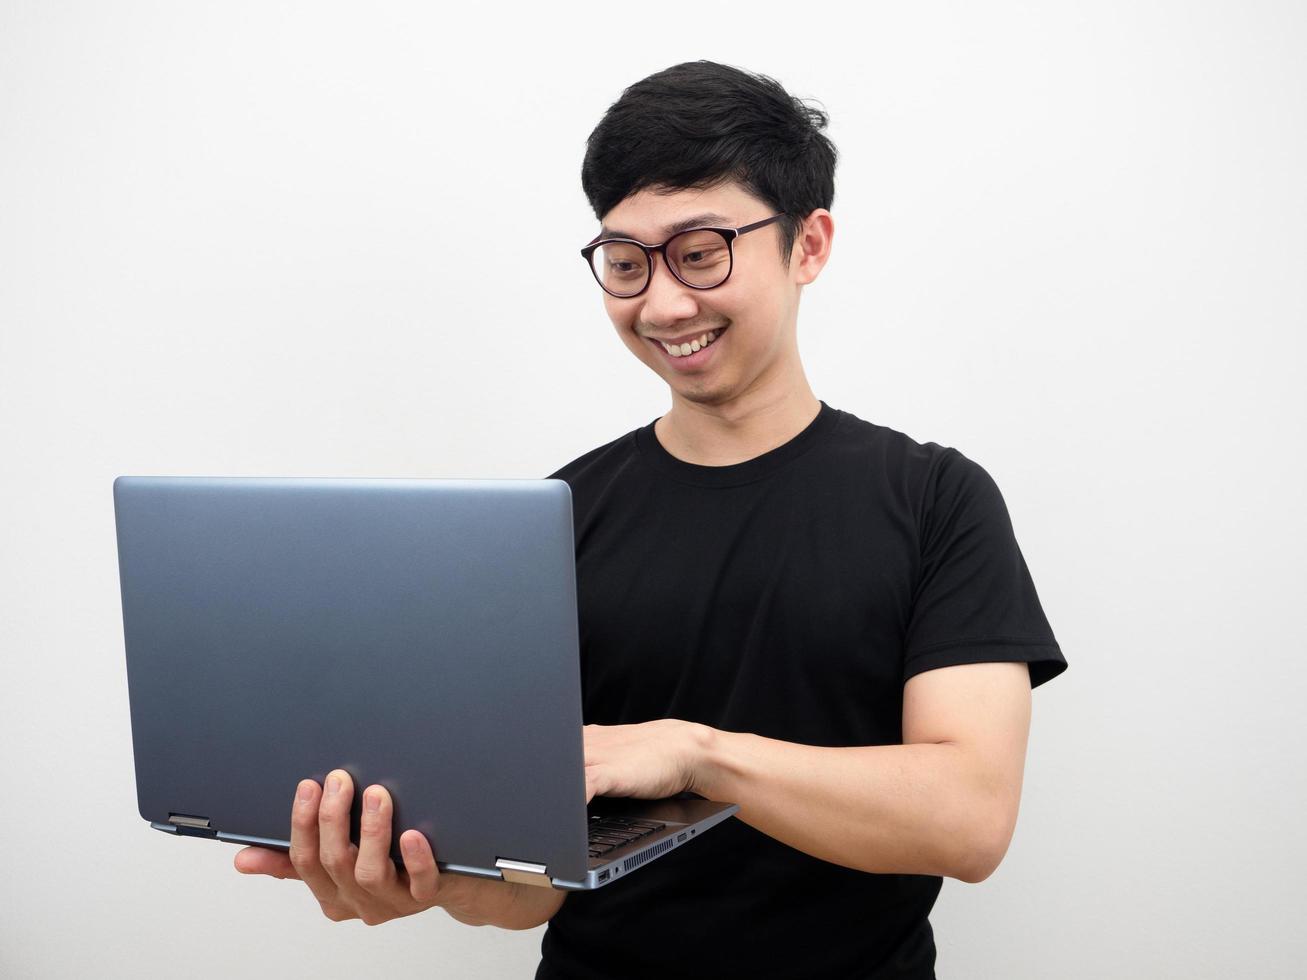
x=791, y=596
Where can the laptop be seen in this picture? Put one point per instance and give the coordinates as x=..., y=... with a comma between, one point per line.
x=418, y=633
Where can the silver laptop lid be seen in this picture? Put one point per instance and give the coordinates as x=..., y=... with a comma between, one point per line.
x=421, y=634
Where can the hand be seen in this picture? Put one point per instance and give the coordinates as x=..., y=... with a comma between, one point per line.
x=349, y=881
x=649, y=761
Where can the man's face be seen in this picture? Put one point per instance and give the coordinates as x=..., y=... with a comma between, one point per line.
x=752, y=313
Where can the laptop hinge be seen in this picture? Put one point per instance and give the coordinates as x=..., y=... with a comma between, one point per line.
x=182, y=820
x=523, y=872
x=190, y=826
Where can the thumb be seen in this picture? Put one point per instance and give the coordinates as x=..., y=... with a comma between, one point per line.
x=264, y=861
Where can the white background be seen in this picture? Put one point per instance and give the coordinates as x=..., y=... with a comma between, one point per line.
x=270, y=239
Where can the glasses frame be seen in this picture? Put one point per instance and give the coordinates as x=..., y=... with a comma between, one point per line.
x=729, y=234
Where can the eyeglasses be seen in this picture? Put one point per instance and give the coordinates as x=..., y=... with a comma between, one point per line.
x=701, y=258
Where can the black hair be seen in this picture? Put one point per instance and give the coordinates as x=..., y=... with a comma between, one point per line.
x=701, y=123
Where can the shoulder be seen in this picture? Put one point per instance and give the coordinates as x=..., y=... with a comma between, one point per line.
x=598, y=462
x=901, y=458
x=927, y=480
x=600, y=475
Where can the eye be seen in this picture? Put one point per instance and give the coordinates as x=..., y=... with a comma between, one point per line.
x=619, y=262
x=704, y=256
x=623, y=268
x=698, y=250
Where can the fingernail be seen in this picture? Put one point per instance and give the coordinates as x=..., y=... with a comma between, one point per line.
x=373, y=802
x=306, y=791
x=333, y=785
x=409, y=844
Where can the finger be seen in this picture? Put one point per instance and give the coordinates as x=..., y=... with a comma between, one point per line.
x=264, y=861
x=373, y=869
x=303, y=854
x=420, y=864
x=335, y=849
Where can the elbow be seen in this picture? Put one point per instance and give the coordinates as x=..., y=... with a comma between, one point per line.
x=978, y=869
x=985, y=846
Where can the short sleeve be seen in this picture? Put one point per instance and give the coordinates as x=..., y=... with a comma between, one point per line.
x=974, y=601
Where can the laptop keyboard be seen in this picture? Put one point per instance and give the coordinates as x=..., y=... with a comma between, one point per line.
x=607, y=833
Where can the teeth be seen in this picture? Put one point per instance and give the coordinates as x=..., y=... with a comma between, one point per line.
x=700, y=342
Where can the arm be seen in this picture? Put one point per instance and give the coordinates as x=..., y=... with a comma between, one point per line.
x=484, y=902
x=943, y=803
x=362, y=882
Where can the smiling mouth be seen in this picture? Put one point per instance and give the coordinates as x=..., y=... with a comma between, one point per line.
x=691, y=345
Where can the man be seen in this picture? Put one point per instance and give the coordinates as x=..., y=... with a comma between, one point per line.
x=781, y=605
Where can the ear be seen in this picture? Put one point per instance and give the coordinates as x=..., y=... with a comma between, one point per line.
x=812, y=246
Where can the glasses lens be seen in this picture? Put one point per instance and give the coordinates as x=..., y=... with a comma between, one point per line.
x=702, y=258
x=620, y=267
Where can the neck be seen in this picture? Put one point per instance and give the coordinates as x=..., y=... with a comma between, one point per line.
x=739, y=430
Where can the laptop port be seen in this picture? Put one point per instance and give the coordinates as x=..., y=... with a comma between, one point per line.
x=680, y=837
x=603, y=875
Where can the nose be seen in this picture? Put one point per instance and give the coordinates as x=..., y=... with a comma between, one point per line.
x=667, y=299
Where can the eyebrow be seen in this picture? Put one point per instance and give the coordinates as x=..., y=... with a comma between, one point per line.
x=694, y=221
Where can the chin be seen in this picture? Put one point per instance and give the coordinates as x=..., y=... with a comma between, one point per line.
x=704, y=394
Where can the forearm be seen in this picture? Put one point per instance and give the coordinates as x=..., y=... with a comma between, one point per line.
x=486, y=902
x=894, y=809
